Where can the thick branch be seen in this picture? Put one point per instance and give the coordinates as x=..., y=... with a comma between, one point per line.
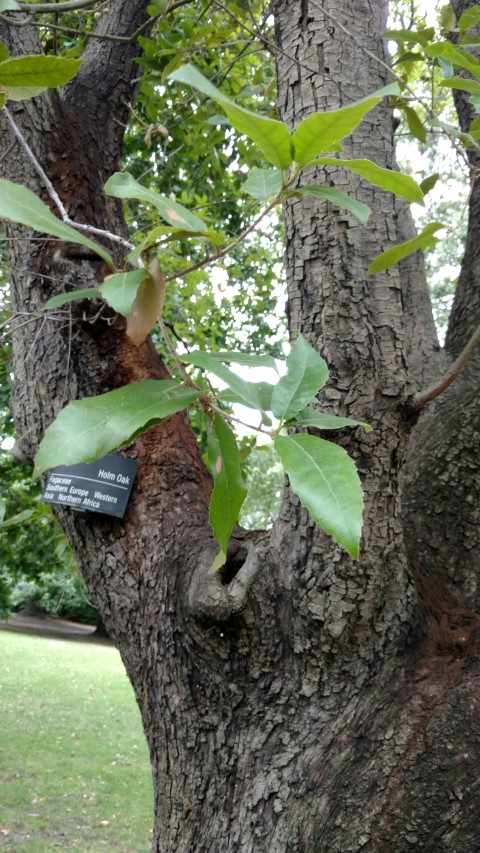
x=423, y=397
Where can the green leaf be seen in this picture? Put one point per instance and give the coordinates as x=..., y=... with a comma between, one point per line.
x=17, y=519
x=470, y=18
x=19, y=204
x=338, y=197
x=260, y=396
x=460, y=83
x=386, y=179
x=263, y=183
x=120, y=289
x=415, y=124
x=326, y=481
x=89, y=428
x=306, y=373
x=272, y=136
x=124, y=185
x=407, y=37
x=403, y=250
x=455, y=55
x=322, y=420
x=4, y=53
x=63, y=298
x=26, y=76
x=244, y=391
x=229, y=490
x=429, y=183
x=318, y=132
x=246, y=358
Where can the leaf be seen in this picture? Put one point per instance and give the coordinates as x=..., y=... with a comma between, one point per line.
x=19, y=204
x=89, y=428
x=326, y=481
x=403, y=250
x=17, y=519
x=428, y=183
x=271, y=135
x=229, y=490
x=245, y=391
x=263, y=183
x=455, y=55
x=120, y=289
x=63, y=298
x=147, y=305
x=338, y=197
x=406, y=37
x=322, y=420
x=26, y=76
x=386, y=179
x=4, y=53
x=124, y=185
x=415, y=125
x=460, y=83
x=306, y=373
x=470, y=18
x=260, y=396
x=249, y=359
x=318, y=132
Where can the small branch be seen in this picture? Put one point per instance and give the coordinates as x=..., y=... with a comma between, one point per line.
x=179, y=363
x=89, y=229
x=70, y=6
x=423, y=397
x=221, y=254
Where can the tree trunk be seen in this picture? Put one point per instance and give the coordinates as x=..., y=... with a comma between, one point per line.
x=290, y=703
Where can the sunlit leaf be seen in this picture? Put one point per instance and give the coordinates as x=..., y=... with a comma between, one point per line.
x=271, y=135
x=326, y=481
x=123, y=185
x=386, y=179
x=246, y=358
x=306, y=373
x=89, y=428
x=19, y=204
x=318, y=132
x=415, y=126
x=229, y=490
x=423, y=240
x=245, y=391
x=462, y=84
x=120, y=289
x=26, y=76
x=455, y=55
x=263, y=183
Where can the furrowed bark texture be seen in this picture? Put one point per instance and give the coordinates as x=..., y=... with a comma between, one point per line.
x=289, y=704
x=442, y=479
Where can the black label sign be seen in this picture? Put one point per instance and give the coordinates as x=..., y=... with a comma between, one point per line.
x=102, y=486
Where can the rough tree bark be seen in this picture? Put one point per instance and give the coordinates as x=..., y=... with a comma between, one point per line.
x=296, y=703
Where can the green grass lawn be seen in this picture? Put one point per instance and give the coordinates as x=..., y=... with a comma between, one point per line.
x=74, y=767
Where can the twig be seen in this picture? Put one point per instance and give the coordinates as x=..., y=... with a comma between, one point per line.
x=210, y=259
x=188, y=381
x=417, y=403
x=90, y=229
x=69, y=6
